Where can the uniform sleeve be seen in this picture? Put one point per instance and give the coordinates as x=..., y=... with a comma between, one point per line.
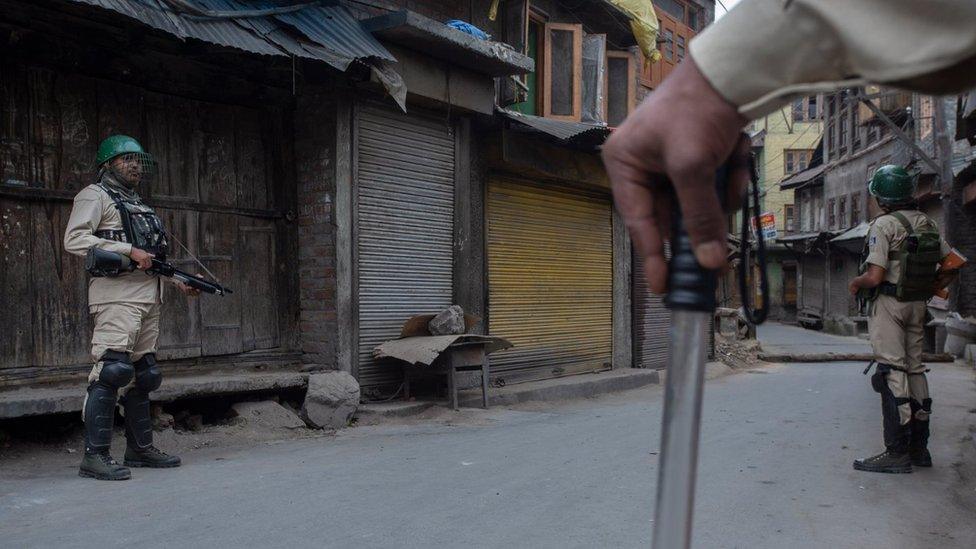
x=878, y=246
x=764, y=52
x=79, y=235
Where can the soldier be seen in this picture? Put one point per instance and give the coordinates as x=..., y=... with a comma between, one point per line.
x=904, y=250
x=110, y=215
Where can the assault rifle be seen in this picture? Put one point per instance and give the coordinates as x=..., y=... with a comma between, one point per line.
x=105, y=263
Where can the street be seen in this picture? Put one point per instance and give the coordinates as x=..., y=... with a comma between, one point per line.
x=775, y=471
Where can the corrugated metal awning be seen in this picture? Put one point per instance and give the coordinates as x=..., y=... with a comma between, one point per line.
x=802, y=178
x=857, y=233
x=800, y=237
x=328, y=34
x=575, y=132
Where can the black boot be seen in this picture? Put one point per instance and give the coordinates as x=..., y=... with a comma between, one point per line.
x=895, y=458
x=150, y=457
x=99, y=418
x=885, y=462
x=101, y=466
x=140, y=451
x=919, y=442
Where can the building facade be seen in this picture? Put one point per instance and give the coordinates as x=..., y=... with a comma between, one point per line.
x=341, y=178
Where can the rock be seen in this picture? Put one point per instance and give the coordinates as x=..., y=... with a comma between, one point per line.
x=331, y=400
x=194, y=423
x=267, y=414
x=161, y=420
x=450, y=321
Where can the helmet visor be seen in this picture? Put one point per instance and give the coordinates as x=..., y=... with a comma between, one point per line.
x=133, y=168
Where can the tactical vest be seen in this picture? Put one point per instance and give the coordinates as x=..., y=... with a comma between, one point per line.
x=141, y=227
x=919, y=255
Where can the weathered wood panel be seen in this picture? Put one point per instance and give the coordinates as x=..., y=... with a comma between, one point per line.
x=16, y=336
x=14, y=125
x=179, y=331
x=62, y=325
x=210, y=156
x=260, y=316
x=221, y=317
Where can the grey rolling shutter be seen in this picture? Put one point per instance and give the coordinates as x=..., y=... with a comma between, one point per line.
x=405, y=224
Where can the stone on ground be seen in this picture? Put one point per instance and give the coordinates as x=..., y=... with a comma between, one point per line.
x=267, y=414
x=331, y=400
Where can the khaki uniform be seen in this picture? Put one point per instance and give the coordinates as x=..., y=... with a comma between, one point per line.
x=897, y=327
x=765, y=52
x=125, y=308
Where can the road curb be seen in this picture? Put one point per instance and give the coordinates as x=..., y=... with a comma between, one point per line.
x=841, y=357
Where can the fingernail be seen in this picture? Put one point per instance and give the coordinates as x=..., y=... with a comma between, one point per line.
x=710, y=254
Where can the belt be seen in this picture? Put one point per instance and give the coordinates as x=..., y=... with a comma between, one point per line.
x=112, y=234
x=887, y=288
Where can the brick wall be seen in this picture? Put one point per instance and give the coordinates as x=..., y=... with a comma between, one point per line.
x=315, y=171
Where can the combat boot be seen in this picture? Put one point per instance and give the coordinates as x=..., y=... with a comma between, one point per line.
x=885, y=462
x=101, y=466
x=150, y=457
x=920, y=457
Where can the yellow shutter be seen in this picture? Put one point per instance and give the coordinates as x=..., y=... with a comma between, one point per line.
x=550, y=279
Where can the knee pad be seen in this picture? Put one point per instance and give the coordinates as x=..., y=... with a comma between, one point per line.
x=148, y=376
x=879, y=380
x=117, y=371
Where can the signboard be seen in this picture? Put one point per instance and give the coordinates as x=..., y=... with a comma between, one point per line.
x=767, y=223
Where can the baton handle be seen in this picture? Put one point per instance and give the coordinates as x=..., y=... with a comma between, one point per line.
x=691, y=287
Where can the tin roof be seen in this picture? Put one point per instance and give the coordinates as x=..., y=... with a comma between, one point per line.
x=803, y=177
x=324, y=33
x=592, y=134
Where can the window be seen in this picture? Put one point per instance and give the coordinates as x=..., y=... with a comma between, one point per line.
x=805, y=109
x=856, y=209
x=797, y=160
x=562, y=71
x=680, y=40
x=842, y=212
x=842, y=133
x=789, y=212
x=620, y=86
x=669, y=45
x=831, y=217
x=682, y=12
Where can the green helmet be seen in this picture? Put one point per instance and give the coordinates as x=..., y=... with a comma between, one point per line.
x=136, y=165
x=891, y=184
x=117, y=145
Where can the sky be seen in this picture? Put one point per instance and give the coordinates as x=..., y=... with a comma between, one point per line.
x=719, y=12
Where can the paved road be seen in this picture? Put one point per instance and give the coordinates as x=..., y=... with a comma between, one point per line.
x=781, y=339
x=777, y=447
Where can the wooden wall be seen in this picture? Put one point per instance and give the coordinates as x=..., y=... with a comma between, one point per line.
x=224, y=184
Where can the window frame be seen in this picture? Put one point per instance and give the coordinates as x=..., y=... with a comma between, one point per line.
x=577, y=107
x=631, y=82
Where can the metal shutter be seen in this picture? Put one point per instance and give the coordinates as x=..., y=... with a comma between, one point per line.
x=812, y=283
x=405, y=224
x=651, y=322
x=550, y=277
